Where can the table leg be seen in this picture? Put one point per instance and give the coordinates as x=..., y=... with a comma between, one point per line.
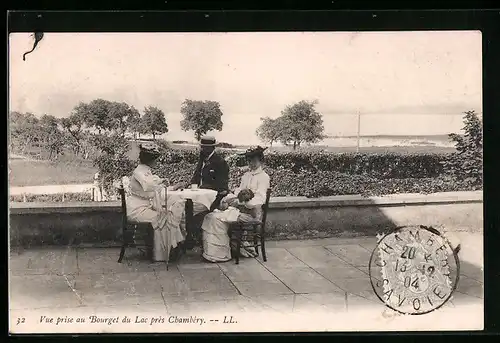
x=190, y=237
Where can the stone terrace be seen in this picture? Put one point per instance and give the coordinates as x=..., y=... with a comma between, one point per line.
x=325, y=274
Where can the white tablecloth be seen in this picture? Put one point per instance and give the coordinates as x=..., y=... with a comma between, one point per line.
x=201, y=196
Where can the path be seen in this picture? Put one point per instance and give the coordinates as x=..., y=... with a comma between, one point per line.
x=51, y=189
x=311, y=285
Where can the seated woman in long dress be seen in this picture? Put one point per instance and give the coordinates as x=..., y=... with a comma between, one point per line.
x=243, y=205
x=143, y=187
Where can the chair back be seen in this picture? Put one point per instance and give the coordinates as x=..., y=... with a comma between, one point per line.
x=265, y=207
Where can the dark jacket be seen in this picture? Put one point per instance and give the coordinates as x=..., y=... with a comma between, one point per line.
x=215, y=174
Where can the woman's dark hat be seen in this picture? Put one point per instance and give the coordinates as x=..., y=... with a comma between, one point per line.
x=208, y=141
x=253, y=152
x=150, y=149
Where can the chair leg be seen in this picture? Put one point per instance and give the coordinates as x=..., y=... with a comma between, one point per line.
x=122, y=253
x=238, y=247
x=256, y=241
x=263, y=247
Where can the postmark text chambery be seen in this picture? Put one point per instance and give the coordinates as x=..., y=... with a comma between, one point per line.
x=416, y=268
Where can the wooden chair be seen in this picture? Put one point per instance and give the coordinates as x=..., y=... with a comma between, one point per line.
x=252, y=232
x=134, y=235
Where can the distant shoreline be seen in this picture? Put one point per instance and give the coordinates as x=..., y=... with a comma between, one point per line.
x=432, y=137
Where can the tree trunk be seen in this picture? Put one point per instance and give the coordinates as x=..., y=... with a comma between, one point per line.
x=294, y=145
x=154, y=136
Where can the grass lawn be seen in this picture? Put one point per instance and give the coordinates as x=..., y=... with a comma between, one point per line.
x=37, y=173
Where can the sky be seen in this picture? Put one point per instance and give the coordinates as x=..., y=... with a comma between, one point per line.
x=402, y=83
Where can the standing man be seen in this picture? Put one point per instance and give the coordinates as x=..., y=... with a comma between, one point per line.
x=212, y=172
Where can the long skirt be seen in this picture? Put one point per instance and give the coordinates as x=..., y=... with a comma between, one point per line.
x=166, y=225
x=216, y=241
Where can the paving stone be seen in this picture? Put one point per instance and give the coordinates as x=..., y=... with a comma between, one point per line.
x=353, y=254
x=254, y=288
x=470, y=287
x=356, y=302
x=317, y=256
x=41, y=291
x=186, y=297
x=119, y=288
x=281, y=258
x=247, y=272
x=141, y=265
x=281, y=303
x=354, y=285
x=101, y=261
x=193, y=260
x=472, y=272
x=320, y=302
x=370, y=247
x=344, y=272
x=459, y=299
x=305, y=280
x=206, y=280
x=215, y=310
x=369, y=295
x=172, y=282
x=44, y=261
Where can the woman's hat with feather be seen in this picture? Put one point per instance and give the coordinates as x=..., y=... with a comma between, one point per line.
x=257, y=151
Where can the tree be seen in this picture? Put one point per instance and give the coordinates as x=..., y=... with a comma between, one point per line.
x=467, y=163
x=74, y=125
x=24, y=130
x=300, y=123
x=119, y=114
x=201, y=117
x=134, y=122
x=153, y=122
x=270, y=130
x=50, y=135
x=96, y=114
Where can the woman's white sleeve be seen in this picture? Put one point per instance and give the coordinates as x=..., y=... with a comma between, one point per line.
x=148, y=181
x=259, y=197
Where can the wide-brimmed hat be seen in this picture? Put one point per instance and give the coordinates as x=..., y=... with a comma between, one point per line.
x=208, y=141
x=149, y=148
x=255, y=151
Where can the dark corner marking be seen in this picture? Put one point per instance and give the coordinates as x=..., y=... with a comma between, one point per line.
x=38, y=36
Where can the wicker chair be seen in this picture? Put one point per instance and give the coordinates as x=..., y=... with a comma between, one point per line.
x=134, y=235
x=252, y=232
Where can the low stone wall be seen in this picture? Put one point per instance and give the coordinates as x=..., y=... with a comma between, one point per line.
x=288, y=218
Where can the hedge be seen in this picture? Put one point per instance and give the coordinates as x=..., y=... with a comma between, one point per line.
x=385, y=165
x=52, y=197
x=314, y=174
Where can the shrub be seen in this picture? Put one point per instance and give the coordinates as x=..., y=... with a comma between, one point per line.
x=225, y=145
x=68, y=197
x=467, y=163
x=180, y=142
x=113, y=162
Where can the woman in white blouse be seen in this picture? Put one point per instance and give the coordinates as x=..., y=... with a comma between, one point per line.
x=236, y=206
x=143, y=187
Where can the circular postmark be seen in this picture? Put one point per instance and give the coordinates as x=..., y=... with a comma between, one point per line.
x=414, y=270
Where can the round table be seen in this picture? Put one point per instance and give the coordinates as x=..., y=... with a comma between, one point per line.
x=201, y=196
